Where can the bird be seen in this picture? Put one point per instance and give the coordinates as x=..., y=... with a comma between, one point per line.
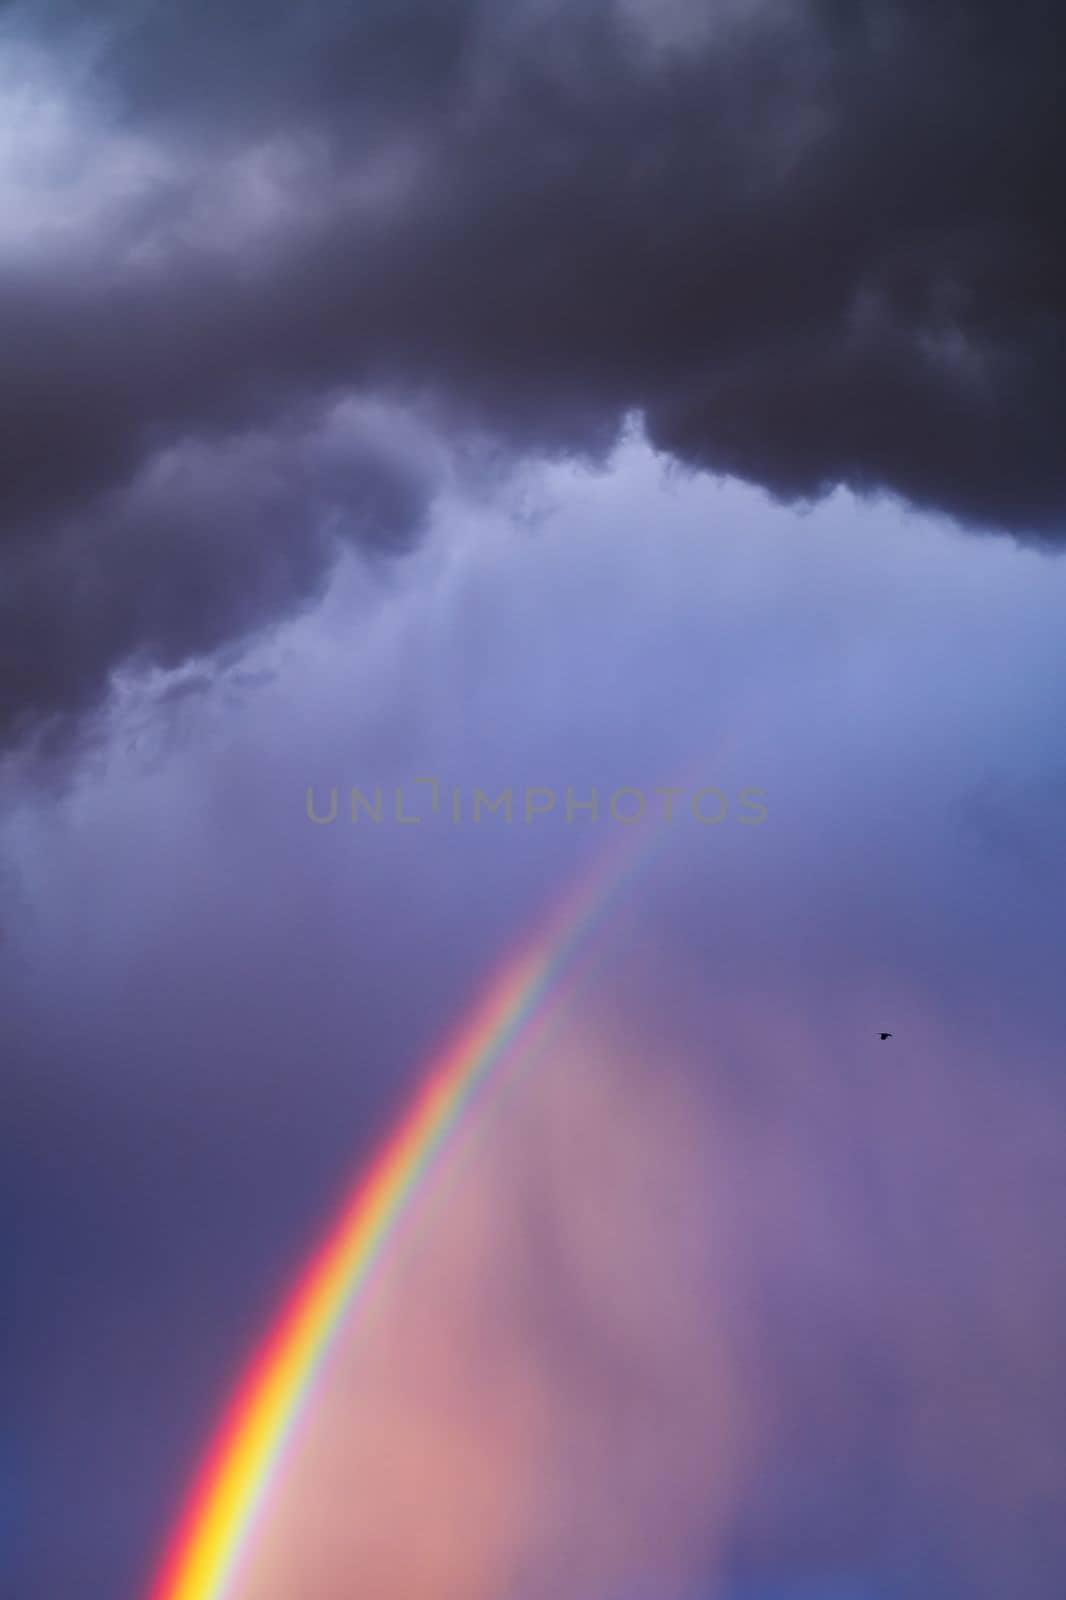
x=886, y=1036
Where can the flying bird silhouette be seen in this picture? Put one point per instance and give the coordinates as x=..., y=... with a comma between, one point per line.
x=886, y=1036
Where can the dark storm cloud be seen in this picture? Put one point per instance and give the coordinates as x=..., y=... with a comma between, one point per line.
x=813, y=243
x=201, y=545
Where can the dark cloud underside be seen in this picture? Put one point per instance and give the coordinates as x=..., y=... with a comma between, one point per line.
x=812, y=243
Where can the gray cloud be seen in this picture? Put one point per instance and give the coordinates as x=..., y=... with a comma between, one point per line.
x=814, y=245
x=208, y=540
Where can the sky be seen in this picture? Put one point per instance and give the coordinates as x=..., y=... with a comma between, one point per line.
x=563, y=399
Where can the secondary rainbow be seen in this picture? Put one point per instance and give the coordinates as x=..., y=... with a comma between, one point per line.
x=243, y=1462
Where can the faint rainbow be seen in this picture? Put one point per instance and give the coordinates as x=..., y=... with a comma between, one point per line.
x=243, y=1461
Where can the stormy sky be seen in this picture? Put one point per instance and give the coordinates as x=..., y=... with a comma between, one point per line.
x=615, y=394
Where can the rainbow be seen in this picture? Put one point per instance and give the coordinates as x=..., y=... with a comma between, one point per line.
x=243, y=1462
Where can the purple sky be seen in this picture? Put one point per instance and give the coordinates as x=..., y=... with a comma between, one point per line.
x=613, y=397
